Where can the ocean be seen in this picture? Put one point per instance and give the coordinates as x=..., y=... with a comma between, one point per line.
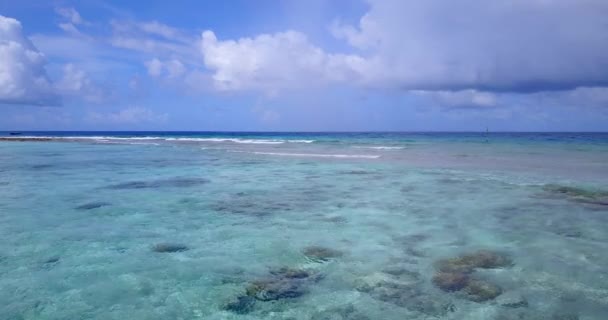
x=204, y=225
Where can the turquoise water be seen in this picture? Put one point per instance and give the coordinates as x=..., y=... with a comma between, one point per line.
x=203, y=226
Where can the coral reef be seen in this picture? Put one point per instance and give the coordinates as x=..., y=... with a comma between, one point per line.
x=163, y=183
x=467, y=263
x=240, y=305
x=576, y=194
x=451, y=281
x=455, y=274
x=279, y=284
x=92, y=205
x=169, y=247
x=321, y=254
x=480, y=291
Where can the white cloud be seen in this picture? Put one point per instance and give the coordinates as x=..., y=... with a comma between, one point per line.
x=128, y=116
x=154, y=39
x=23, y=78
x=461, y=99
x=71, y=19
x=154, y=27
x=172, y=69
x=272, y=61
x=155, y=67
x=76, y=82
x=70, y=14
x=431, y=45
x=518, y=45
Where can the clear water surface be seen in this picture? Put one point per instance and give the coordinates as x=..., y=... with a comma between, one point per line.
x=188, y=225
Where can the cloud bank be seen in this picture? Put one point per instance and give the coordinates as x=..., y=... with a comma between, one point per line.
x=23, y=78
x=432, y=45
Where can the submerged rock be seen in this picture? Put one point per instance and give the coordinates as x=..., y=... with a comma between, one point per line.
x=252, y=206
x=582, y=195
x=163, y=183
x=454, y=274
x=401, y=271
x=480, y=291
x=169, y=247
x=290, y=273
x=241, y=305
x=451, y=281
x=406, y=293
x=41, y=166
x=52, y=260
x=92, y=205
x=282, y=283
x=348, y=312
x=275, y=289
x=566, y=316
x=321, y=254
x=467, y=263
x=357, y=172
x=512, y=300
x=430, y=305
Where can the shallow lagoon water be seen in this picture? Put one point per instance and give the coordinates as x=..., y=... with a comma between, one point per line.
x=82, y=218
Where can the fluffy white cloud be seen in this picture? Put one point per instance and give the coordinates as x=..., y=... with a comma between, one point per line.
x=272, y=61
x=23, y=78
x=436, y=45
x=128, y=116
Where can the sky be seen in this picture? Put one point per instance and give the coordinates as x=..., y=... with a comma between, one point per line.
x=317, y=65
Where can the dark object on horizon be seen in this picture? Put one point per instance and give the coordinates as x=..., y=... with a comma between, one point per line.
x=15, y=133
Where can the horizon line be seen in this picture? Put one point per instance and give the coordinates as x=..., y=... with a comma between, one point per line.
x=257, y=131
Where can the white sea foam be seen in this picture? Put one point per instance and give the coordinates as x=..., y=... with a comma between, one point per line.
x=381, y=147
x=319, y=155
x=184, y=139
x=234, y=140
x=240, y=140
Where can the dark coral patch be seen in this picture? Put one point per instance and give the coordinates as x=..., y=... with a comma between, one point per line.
x=451, y=281
x=92, y=205
x=480, y=291
x=241, y=305
x=290, y=273
x=169, y=247
x=581, y=195
x=275, y=289
x=454, y=274
x=483, y=259
x=163, y=183
x=321, y=254
x=279, y=284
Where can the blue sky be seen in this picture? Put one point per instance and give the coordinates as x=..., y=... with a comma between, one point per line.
x=320, y=65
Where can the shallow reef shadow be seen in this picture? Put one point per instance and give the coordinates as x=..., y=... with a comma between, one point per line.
x=177, y=182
